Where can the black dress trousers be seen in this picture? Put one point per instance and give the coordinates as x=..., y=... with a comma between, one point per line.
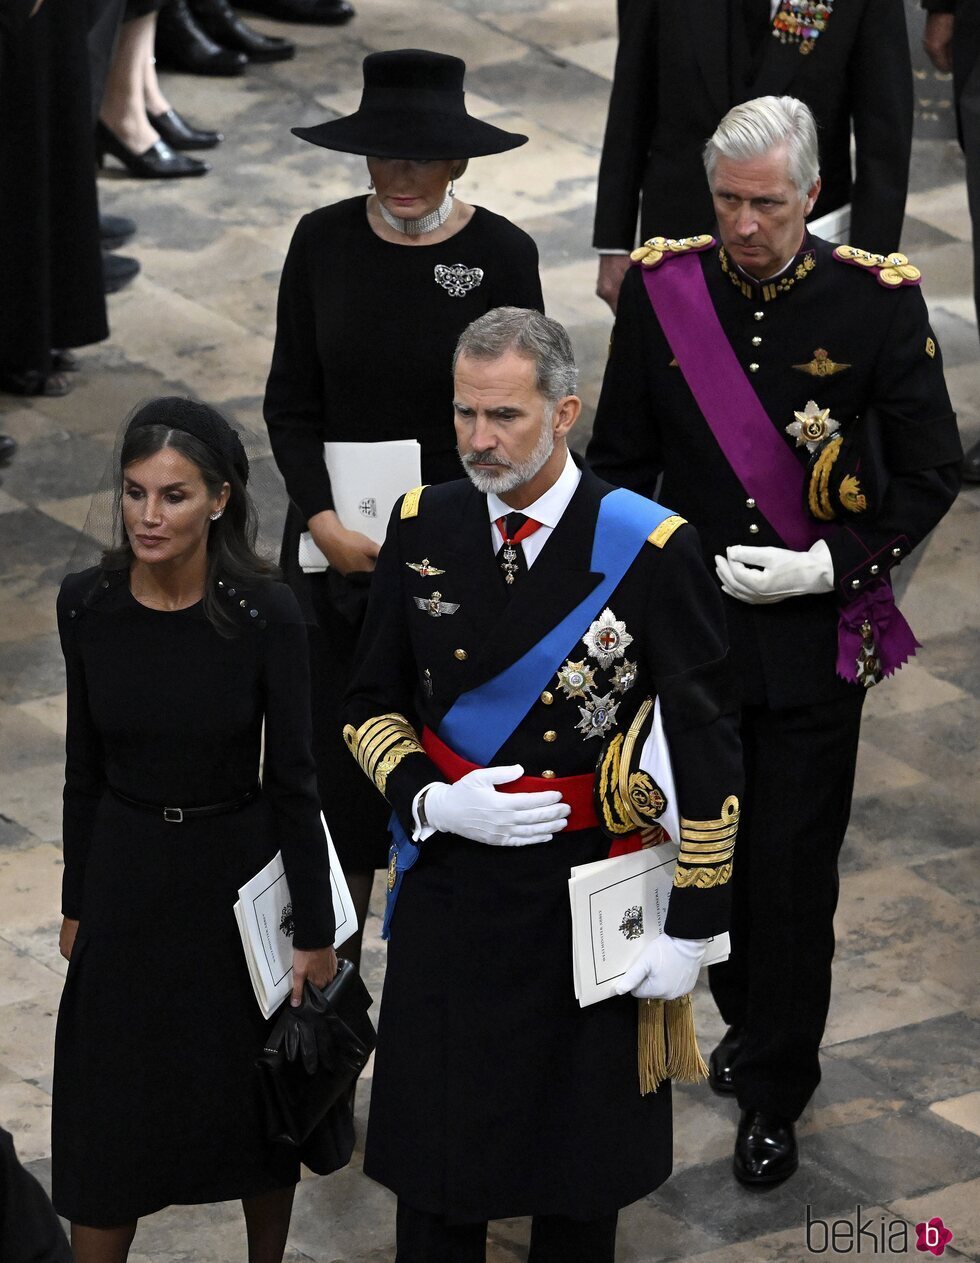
x=776, y=986
x=427, y=1238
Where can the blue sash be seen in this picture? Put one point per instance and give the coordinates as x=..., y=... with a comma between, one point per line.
x=481, y=721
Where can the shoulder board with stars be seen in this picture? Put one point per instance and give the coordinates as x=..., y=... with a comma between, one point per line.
x=653, y=252
x=410, y=502
x=891, y=270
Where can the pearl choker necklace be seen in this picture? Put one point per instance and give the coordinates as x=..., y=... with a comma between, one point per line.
x=417, y=227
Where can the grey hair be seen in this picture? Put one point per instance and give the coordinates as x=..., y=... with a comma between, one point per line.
x=531, y=334
x=753, y=128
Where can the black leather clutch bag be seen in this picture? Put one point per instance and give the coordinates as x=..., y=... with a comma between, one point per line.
x=309, y=1065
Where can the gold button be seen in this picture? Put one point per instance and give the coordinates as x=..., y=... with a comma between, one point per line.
x=750, y=503
x=874, y=569
x=547, y=698
x=758, y=314
x=896, y=552
x=753, y=529
x=855, y=583
x=461, y=654
x=551, y=735
x=757, y=341
x=548, y=774
x=753, y=368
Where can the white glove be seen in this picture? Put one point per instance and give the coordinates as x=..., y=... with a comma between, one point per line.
x=473, y=809
x=666, y=969
x=784, y=572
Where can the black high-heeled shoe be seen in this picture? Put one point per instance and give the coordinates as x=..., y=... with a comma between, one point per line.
x=219, y=20
x=179, y=134
x=159, y=162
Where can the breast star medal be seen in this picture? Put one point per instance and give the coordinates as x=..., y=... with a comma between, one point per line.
x=812, y=426
x=423, y=568
x=624, y=676
x=435, y=606
x=821, y=365
x=598, y=715
x=576, y=679
x=607, y=638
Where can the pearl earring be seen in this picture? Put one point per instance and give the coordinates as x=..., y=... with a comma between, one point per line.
x=452, y=188
x=214, y=516
x=370, y=184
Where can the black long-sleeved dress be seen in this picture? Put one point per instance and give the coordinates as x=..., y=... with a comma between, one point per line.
x=155, y=1090
x=365, y=336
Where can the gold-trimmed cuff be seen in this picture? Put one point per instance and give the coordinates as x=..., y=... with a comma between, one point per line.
x=380, y=744
x=707, y=847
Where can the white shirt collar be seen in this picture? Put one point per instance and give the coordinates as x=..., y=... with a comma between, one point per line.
x=548, y=508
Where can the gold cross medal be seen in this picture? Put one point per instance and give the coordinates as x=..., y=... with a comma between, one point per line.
x=576, y=679
x=424, y=568
x=435, y=606
x=607, y=639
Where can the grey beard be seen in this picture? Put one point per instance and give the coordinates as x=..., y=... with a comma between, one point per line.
x=513, y=476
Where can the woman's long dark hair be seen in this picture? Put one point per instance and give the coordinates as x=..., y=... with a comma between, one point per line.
x=231, y=554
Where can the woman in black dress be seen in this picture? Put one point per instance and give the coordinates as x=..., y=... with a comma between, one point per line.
x=178, y=647
x=375, y=292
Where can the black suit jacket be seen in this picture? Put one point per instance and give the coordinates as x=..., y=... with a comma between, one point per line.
x=648, y=422
x=677, y=73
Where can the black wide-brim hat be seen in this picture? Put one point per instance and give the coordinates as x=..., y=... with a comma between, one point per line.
x=412, y=107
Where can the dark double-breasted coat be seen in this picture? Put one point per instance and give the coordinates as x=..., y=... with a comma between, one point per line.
x=827, y=332
x=679, y=71
x=494, y=1093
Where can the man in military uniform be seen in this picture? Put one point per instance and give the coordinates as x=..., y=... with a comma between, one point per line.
x=679, y=67
x=791, y=394
x=518, y=618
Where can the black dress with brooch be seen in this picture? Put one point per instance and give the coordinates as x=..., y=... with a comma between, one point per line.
x=156, y=1097
x=365, y=336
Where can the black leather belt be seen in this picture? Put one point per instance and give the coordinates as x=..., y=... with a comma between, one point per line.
x=177, y=815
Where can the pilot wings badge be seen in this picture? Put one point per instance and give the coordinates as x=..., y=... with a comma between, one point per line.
x=424, y=568
x=435, y=606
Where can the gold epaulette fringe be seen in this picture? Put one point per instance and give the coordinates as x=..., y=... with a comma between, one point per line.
x=667, y=1044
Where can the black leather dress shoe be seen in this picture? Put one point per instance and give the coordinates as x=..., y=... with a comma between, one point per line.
x=319, y=12
x=721, y=1063
x=115, y=230
x=117, y=271
x=179, y=134
x=765, y=1149
x=182, y=45
x=219, y=20
x=970, y=468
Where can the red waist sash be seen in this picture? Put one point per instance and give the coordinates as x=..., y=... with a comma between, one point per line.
x=576, y=791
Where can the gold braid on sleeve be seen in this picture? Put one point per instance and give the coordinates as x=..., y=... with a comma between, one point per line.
x=707, y=847
x=380, y=744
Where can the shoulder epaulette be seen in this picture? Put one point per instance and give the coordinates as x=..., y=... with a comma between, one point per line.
x=663, y=532
x=410, y=502
x=892, y=270
x=653, y=252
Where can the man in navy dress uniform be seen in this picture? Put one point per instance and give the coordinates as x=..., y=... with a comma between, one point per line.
x=518, y=619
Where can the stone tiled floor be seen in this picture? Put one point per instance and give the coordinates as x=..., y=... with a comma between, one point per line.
x=894, y=1126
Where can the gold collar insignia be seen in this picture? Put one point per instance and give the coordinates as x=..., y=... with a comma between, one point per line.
x=768, y=290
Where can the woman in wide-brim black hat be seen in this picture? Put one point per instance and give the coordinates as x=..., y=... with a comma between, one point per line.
x=374, y=294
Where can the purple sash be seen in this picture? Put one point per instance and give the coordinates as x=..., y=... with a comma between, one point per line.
x=758, y=455
x=756, y=452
